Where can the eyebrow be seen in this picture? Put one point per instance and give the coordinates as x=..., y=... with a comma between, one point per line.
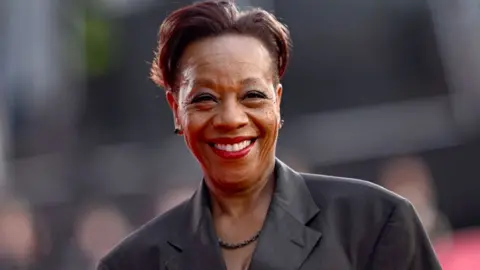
x=251, y=81
x=203, y=82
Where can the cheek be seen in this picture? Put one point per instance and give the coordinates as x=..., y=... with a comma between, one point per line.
x=267, y=120
x=193, y=123
x=272, y=119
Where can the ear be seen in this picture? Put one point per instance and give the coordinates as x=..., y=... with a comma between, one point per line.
x=279, y=92
x=173, y=103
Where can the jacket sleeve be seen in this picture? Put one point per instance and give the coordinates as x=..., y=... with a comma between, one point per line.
x=403, y=243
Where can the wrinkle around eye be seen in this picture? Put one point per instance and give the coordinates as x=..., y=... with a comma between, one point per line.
x=203, y=97
x=256, y=94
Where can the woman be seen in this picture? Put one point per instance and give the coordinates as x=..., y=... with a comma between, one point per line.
x=221, y=70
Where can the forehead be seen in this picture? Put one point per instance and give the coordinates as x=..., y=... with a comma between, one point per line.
x=226, y=60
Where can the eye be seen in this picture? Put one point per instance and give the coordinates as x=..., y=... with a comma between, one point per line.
x=254, y=94
x=203, y=98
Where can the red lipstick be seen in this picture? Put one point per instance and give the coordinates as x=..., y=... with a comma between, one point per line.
x=226, y=154
x=231, y=140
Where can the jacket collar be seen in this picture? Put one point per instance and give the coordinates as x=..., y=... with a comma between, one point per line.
x=285, y=240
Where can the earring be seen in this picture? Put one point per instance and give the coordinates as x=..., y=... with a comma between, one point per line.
x=281, y=123
x=177, y=131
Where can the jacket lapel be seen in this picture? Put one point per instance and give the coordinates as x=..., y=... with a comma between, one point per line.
x=286, y=240
x=194, y=243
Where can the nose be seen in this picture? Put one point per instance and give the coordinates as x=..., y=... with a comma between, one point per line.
x=230, y=116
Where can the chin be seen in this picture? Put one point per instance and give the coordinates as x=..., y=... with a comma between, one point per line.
x=232, y=172
x=233, y=181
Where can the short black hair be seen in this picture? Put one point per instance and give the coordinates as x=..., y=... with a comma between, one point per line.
x=214, y=18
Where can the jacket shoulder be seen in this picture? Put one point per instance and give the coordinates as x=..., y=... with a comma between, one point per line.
x=328, y=190
x=378, y=228
x=142, y=247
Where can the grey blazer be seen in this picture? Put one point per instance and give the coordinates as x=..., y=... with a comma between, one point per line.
x=314, y=222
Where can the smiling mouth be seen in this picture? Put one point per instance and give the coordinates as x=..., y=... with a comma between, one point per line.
x=233, y=150
x=235, y=147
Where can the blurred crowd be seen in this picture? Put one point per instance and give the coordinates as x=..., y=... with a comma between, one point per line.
x=28, y=241
x=411, y=178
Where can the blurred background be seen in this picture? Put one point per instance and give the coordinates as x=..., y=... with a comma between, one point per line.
x=386, y=91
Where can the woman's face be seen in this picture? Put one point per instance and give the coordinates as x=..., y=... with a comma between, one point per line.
x=228, y=108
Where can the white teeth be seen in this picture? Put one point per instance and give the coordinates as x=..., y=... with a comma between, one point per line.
x=233, y=147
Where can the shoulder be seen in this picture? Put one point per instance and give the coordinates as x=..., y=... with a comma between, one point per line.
x=339, y=193
x=377, y=227
x=142, y=247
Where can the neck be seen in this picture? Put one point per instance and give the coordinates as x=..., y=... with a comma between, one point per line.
x=237, y=204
